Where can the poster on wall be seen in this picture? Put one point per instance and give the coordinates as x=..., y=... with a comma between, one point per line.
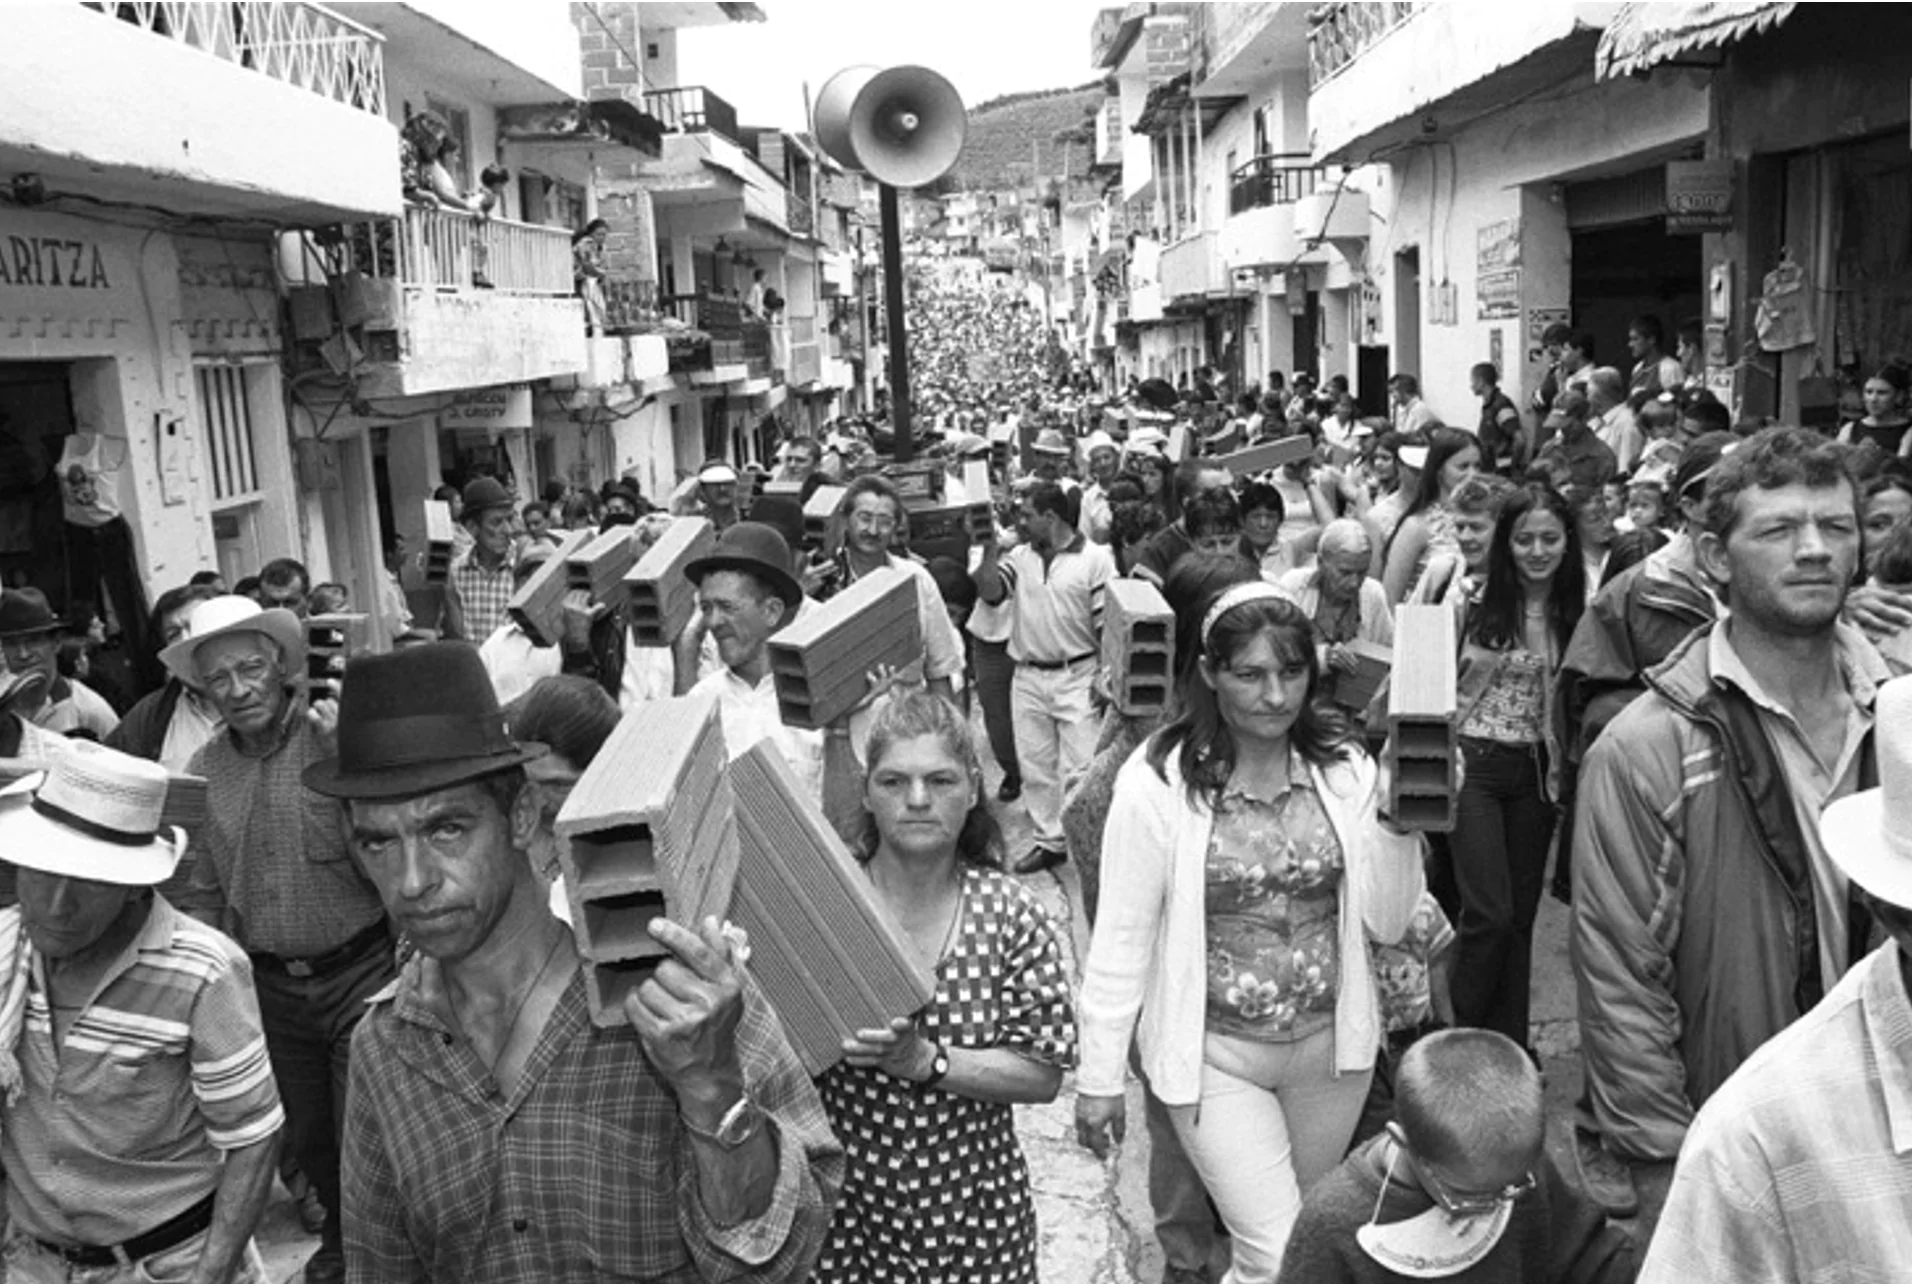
x=1699, y=196
x=1497, y=246
x=1498, y=295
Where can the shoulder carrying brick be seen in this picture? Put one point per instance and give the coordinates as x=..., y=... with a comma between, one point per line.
x=538, y=605
x=1269, y=454
x=1423, y=745
x=1138, y=645
x=819, y=513
x=441, y=533
x=660, y=598
x=821, y=662
x=823, y=947
x=600, y=566
x=649, y=831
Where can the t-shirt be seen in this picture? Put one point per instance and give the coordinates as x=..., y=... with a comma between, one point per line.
x=89, y=486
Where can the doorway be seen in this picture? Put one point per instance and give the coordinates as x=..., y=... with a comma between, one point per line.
x=1407, y=312
x=36, y=417
x=1629, y=270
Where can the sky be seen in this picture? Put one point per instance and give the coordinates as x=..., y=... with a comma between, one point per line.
x=986, y=48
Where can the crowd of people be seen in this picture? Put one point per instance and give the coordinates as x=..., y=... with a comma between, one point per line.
x=1677, y=640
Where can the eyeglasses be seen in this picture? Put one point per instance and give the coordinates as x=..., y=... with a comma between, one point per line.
x=248, y=673
x=1462, y=1203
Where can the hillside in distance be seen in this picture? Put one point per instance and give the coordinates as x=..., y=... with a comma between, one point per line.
x=1057, y=124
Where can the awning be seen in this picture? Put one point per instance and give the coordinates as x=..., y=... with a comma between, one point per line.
x=1642, y=36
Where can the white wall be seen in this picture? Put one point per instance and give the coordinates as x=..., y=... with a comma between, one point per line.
x=537, y=35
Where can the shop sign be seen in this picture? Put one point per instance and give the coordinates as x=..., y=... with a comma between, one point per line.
x=1699, y=196
x=504, y=407
x=52, y=262
x=1498, y=295
x=1497, y=247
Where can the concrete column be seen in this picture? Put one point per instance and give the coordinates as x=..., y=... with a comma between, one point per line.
x=414, y=471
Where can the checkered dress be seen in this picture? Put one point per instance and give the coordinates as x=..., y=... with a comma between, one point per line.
x=937, y=1190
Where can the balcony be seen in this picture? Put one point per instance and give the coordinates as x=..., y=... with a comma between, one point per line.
x=1109, y=134
x=1250, y=45
x=806, y=353
x=1343, y=32
x=799, y=215
x=693, y=110
x=1191, y=268
x=442, y=300
x=228, y=76
x=1281, y=178
x=1451, y=67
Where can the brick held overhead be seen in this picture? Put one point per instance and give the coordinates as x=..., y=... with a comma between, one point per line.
x=600, y=566
x=538, y=605
x=441, y=534
x=825, y=949
x=822, y=661
x=649, y=831
x=1138, y=645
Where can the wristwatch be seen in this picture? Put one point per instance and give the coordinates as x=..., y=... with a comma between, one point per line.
x=938, y=1067
x=739, y=1125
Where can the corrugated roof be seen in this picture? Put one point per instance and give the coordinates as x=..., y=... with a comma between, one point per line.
x=1642, y=36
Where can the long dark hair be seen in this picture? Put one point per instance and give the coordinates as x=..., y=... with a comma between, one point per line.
x=1199, y=735
x=1496, y=620
x=1442, y=445
x=918, y=713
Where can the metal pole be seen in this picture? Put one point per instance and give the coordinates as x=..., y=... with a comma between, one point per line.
x=893, y=310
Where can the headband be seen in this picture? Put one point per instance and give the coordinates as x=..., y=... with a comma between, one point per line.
x=1239, y=595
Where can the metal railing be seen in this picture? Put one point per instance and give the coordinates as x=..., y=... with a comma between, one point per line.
x=1343, y=32
x=1280, y=178
x=307, y=45
x=452, y=250
x=693, y=109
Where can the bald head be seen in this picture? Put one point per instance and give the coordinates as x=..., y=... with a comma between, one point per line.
x=1467, y=1096
x=1345, y=535
x=1606, y=388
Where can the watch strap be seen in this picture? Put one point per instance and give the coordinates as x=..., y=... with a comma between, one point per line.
x=738, y=1125
x=938, y=1067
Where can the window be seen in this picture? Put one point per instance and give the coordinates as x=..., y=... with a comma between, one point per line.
x=458, y=123
x=226, y=428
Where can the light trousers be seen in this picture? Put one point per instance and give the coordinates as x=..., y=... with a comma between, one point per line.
x=1274, y=1120
x=1056, y=730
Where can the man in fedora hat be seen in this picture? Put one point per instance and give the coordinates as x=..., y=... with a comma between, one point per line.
x=139, y=1123
x=30, y=642
x=277, y=873
x=746, y=591
x=479, y=585
x=1800, y=1166
x=495, y=1134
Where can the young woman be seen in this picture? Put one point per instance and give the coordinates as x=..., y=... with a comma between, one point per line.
x=1262, y=515
x=587, y=270
x=1428, y=525
x=1245, y=871
x=937, y=1187
x=1888, y=395
x=1887, y=504
x=1514, y=630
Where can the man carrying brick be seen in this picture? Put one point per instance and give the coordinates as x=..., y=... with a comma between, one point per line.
x=1056, y=581
x=493, y=1134
x=480, y=584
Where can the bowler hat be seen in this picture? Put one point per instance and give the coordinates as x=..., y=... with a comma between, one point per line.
x=481, y=493
x=414, y=721
x=756, y=549
x=24, y=611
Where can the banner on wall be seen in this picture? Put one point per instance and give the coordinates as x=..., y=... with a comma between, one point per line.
x=1699, y=196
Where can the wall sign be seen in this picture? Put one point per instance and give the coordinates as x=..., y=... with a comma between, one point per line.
x=1699, y=196
x=1497, y=246
x=52, y=262
x=1498, y=294
x=503, y=407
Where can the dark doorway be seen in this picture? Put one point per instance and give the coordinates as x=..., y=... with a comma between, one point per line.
x=1629, y=270
x=1407, y=312
x=1308, y=335
x=36, y=416
x=1371, y=379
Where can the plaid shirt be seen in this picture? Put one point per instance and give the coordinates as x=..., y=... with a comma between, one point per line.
x=125, y=1126
x=274, y=867
x=581, y=1174
x=483, y=594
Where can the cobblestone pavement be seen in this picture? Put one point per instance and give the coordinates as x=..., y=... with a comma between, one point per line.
x=1094, y=1216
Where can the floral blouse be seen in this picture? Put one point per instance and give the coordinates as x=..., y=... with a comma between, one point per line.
x=1274, y=877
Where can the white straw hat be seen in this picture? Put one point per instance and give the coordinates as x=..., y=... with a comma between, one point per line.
x=1869, y=834
x=219, y=616
x=93, y=814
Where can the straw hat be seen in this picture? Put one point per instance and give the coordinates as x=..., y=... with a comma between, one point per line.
x=1869, y=834
x=220, y=616
x=93, y=814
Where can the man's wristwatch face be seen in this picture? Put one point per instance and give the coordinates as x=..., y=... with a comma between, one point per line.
x=938, y=1066
x=739, y=1124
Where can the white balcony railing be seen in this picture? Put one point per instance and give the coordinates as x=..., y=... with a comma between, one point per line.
x=448, y=250
x=306, y=45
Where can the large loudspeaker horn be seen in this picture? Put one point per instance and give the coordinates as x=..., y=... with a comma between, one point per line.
x=903, y=126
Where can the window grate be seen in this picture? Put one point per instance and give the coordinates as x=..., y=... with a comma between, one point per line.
x=226, y=429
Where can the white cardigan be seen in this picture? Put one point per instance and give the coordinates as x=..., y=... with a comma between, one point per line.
x=1148, y=958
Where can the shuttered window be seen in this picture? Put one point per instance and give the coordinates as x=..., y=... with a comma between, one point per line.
x=226, y=429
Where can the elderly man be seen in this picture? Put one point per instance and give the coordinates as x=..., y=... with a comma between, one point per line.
x=1104, y=462
x=30, y=642
x=168, y=726
x=140, y=1137
x=1707, y=913
x=276, y=872
x=1612, y=419
x=1340, y=597
x=494, y=1135
x=480, y=584
x=746, y=591
x=1798, y=1168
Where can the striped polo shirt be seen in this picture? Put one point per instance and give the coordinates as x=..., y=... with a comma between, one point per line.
x=125, y=1126
x=1058, y=603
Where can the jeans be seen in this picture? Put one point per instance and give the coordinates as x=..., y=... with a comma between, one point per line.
x=1184, y=1218
x=1056, y=731
x=102, y=558
x=308, y=1024
x=25, y=1262
x=1502, y=826
x=1274, y=1119
x=995, y=672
